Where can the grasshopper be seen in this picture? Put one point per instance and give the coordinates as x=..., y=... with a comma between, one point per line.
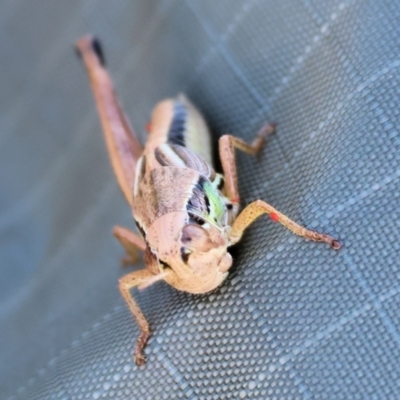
x=187, y=214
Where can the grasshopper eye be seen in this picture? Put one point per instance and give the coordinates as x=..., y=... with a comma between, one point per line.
x=197, y=220
x=195, y=237
x=185, y=253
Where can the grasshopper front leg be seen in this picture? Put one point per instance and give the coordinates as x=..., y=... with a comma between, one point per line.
x=142, y=279
x=126, y=283
x=227, y=145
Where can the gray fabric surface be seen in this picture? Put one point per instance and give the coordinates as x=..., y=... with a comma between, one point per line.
x=295, y=320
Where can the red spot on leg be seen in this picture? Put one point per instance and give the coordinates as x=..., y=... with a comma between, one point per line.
x=235, y=200
x=274, y=217
x=148, y=127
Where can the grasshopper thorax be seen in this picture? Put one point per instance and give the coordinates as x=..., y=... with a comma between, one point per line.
x=184, y=217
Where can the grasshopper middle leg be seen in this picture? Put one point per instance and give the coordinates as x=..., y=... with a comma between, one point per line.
x=126, y=283
x=259, y=207
x=131, y=242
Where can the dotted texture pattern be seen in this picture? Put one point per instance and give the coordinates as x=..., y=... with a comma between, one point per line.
x=294, y=320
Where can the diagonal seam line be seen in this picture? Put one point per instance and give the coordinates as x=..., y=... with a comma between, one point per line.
x=324, y=333
x=318, y=336
x=362, y=195
x=226, y=55
x=375, y=300
x=350, y=97
x=53, y=361
x=299, y=60
x=298, y=64
x=325, y=216
x=25, y=201
x=389, y=294
x=356, y=267
x=175, y=374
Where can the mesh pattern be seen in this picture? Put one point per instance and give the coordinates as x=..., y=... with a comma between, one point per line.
x=294, y=320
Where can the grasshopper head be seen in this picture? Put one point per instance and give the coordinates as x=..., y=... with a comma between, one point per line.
x=195, y=256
